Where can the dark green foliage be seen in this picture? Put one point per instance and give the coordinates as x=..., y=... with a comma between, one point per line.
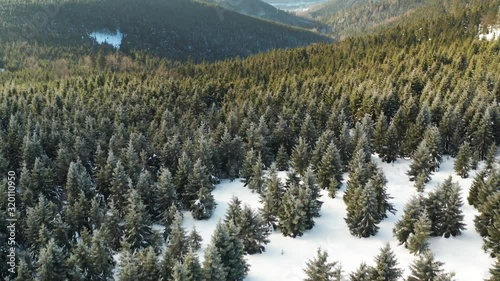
x=271, y=200
x=417, y=241
x=362, y=212
x=329, y=171
x=225, y=239
x=256, y=182
x=148, y=264
x=462, y=163
x=213, y=268
x=319, y=268
x=490, y=157
x=51, y=263
x=487, y=222
x=282, y=159
x=425, y=268
x=194, y=240
x=166, y=190
x=405, y=227
x=198, y=193
x=192, y=267
x=421, y=162
x=137, y=228
x=495, y=270
x=386, y=266
x=300, y=156
x=363, y=273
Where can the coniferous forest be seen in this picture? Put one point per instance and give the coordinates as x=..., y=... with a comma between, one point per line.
x=107, y=151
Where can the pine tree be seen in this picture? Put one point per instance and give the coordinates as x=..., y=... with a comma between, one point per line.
x=253, y=230
x=181, y=178
x=417, y=241
x=120, y=184
x=50, y=265
x=177, y=244
x=225, y=239
x=247, y=169
x=148, y=264
x=282, y=159
x=380, y=134
x=406, y=225
x=168, y=220
x=271, y=199
x=462, y=163
x=194, y=240
x=363, y=273
x=300, y=157
x=197, y=180
x=477, y=185
x=362, y=213
x=112, y=229
x=490, y=157
x=213, y=268
x=319, y=269
x=320, y=147
x=256, y=182
x=329, y=170
x=293, y=213
x=78, y=181
x=204, y=204
x=192, y=267
x=379, y=183
x=101, y=256
x=167, y=194
x=390, y=150
x=432, y=138
x=386, y=266
x=421, y=162
x=129, y=267
x=495, y=270
x=486, y=223
x=428, y=269
x=138, y=231
x=179, y=272
x=149, y=193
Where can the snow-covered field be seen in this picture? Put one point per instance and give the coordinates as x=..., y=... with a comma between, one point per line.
x=286, y=257
x=113, y=39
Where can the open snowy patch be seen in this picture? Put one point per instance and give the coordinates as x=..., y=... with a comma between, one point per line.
x=106, y=37
x=492, y=34
x=285, y=257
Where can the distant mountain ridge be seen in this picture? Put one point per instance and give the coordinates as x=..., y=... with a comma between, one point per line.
x=175, y=29
x=263, y=10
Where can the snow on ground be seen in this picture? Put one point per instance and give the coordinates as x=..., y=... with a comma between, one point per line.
x=113, y=39
x=493, y=33
x=286, y=257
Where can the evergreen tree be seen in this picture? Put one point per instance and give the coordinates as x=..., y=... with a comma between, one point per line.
x=282, y=159
x=271, y=199
x=432, y=138
x=149, y=194
x=300, y=157
x=225, y=239
x=487, y=222
x=406, y=225
x=363, y=273
x=248, y=164
x=380, y=134
x=390, y=149
x=167, y=194
x=177, y=243
x=427, y=269
x=379, y=183
x=112, y=229
x=168, y=220
x=293, y=213
x=386, y=266
x=490, y=157
x=101, y=257
x=417, y=241
x=421, y=163
x=362, y=212
x=495, y=270
x=319, y=269
x=329, y=171
x=420, y=182
x=120, y=184
x=148, y=264
x=137, y=226
x=199, y=193
x=213, y=268
x=204, y=204
x=129, y=267
x=50, y=265
x=256, y=182
x=192, y=267
x=181, y=179
x=477, y=185
x=462, y=163
x=194, y=240
x=253, y=230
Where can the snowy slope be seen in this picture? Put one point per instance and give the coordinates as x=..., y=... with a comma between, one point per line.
x=286, y=257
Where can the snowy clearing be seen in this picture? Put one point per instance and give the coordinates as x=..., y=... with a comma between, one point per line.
x=113, y=39
x=285, y=257
x=493, y=33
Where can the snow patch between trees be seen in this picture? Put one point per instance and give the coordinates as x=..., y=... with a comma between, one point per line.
x=106, y=37
x=492, y=34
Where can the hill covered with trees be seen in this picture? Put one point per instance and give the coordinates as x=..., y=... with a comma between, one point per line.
x=175, y=29
x=120, y=141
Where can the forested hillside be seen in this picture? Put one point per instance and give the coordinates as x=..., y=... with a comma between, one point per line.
x=263, y=10
x=105, y=145
x=175, y=29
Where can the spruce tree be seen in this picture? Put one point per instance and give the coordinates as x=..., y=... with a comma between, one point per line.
x=462, y=163
x=418, y=241
x=271, y=199
x=319, y=269
x=406, y=225
x=490, y=157
x=293, y=213
x=421, y=163
x=495, y=270
x=432, y=138
x=129, y=267
x=428, y=269
x=248, y=164
x=390, y=149
x=253, y=230
x=120, y=185
x=148, y=264
x=177, y=244
x=138, y=231
x=363, y=273
x=320, y=147
x=179, y=272
x=51, y=263
x=362, y=213
x=225, y=239
x=167, y=192
x=386, y=266
x=477, y=185
x=204, y=204
x=181, y=178
x=213, y=268
x=148, y=192
x=194, y=240
x=329, y=171
x=101, y=256
x=380, y=134
x=256, y=182
x=300, y=157
x=192, y=267
x=282, y=159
